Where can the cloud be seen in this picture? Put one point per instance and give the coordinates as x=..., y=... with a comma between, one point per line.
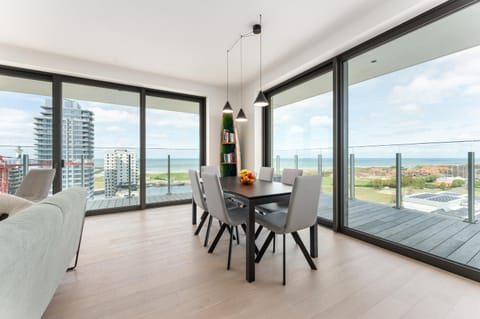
x=114, y=115
x=409, y=108
x=295, y=129
x=321, y=121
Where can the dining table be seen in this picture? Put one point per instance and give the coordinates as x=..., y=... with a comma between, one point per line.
x=260, y=192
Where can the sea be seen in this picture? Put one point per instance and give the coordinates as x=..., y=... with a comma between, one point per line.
x=184, y=164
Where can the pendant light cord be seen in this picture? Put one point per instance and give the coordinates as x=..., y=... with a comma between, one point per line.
x=261, y=32
x=228, y=51
x=241, y=71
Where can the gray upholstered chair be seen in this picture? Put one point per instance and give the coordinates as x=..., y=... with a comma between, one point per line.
x=229, y=217
x=300, y=214
x=265, y=174
x=199, y=198
x=36, y=184
x=288, y=177
x=211, y=169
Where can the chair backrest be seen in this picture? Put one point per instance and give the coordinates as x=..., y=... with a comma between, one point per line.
x=36, y=184
x=211, y=169
x=215, y=199
x=265, y=174
x=303, y=205
x=197, y=190
x=289, y=175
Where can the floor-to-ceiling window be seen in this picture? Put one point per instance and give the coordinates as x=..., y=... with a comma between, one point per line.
x=101, y=144
x=25, y=110
x=302, y=133
x=172, y=147
x=413, y=133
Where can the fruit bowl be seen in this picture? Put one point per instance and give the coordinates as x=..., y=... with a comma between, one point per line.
x=247, y=177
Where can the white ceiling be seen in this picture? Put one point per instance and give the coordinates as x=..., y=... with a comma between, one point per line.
x=186, y=39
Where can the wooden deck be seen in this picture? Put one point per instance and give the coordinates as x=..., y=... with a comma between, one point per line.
x=133, y=201
x=435, y=233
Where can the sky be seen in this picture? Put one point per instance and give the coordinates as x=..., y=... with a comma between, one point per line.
x=115, y=126
x=430, y=102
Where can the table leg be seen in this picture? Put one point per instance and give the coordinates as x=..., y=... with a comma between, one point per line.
x=194, y=212
x=250, y=249
x=314, y=241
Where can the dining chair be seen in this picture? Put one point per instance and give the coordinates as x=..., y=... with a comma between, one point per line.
x=265, y=174
x=36, y=184
x=199, y=198
x=288, y=177
x=300, y=214
x=212, y=169
x=228, y=216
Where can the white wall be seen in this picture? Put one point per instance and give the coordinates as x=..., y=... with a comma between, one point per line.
x=19, y=57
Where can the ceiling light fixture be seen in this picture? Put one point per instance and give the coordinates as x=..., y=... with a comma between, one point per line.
x=227, y=108
x=261, y=99
x=241, y=117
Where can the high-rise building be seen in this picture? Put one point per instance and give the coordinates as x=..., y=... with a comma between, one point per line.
x=77, y=143
x=120, y=171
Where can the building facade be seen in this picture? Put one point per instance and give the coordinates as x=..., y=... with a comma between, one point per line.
x=120, y=172
x=77, y=143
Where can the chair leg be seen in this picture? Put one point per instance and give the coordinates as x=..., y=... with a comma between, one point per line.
x=202, y=221
x=264, y=247
x=236, y=234
x=205, y=243
x=258, y=232
x=230, y=247
x=217, y=238
x=304, y=250
x=284, y=262
x=273, y=250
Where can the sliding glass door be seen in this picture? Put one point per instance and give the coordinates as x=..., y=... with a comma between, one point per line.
x=413, y=137
x=101, y=144
x=172, y=147
x=302, y=133
x=25, y=108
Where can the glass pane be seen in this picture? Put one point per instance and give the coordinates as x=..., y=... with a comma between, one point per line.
x=302, y=134
x=172, y=148
x=100, y=144
x=25, y=106
x=413, y=120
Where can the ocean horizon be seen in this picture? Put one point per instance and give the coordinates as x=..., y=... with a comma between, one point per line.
x=184, y=164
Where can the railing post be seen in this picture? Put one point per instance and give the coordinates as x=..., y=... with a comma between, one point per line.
x=168, y=175
x=295, y=160
x=277, y=161
x=319, y=164
x=471, y=188
x=398, y=180
x=82, y=170
x=129, y=175
x=352, y=176
x=25, y=164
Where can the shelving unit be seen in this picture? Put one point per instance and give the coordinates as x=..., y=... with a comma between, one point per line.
x=230, y=156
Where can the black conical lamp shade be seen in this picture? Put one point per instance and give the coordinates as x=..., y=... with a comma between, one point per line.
x=241, y=116
x=227, y=108
x=261, y=100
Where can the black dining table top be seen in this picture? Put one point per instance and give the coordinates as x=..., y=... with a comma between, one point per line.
x=259, y=189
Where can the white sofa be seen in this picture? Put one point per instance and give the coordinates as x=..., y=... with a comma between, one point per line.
x=37, y=245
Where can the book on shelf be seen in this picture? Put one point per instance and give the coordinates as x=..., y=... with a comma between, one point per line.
x=229, y=157
x=228, y=137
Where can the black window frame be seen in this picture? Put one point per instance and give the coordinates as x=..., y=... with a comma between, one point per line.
x=57, y=81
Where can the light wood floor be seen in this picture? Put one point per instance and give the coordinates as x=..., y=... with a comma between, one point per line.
x=149, y=265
